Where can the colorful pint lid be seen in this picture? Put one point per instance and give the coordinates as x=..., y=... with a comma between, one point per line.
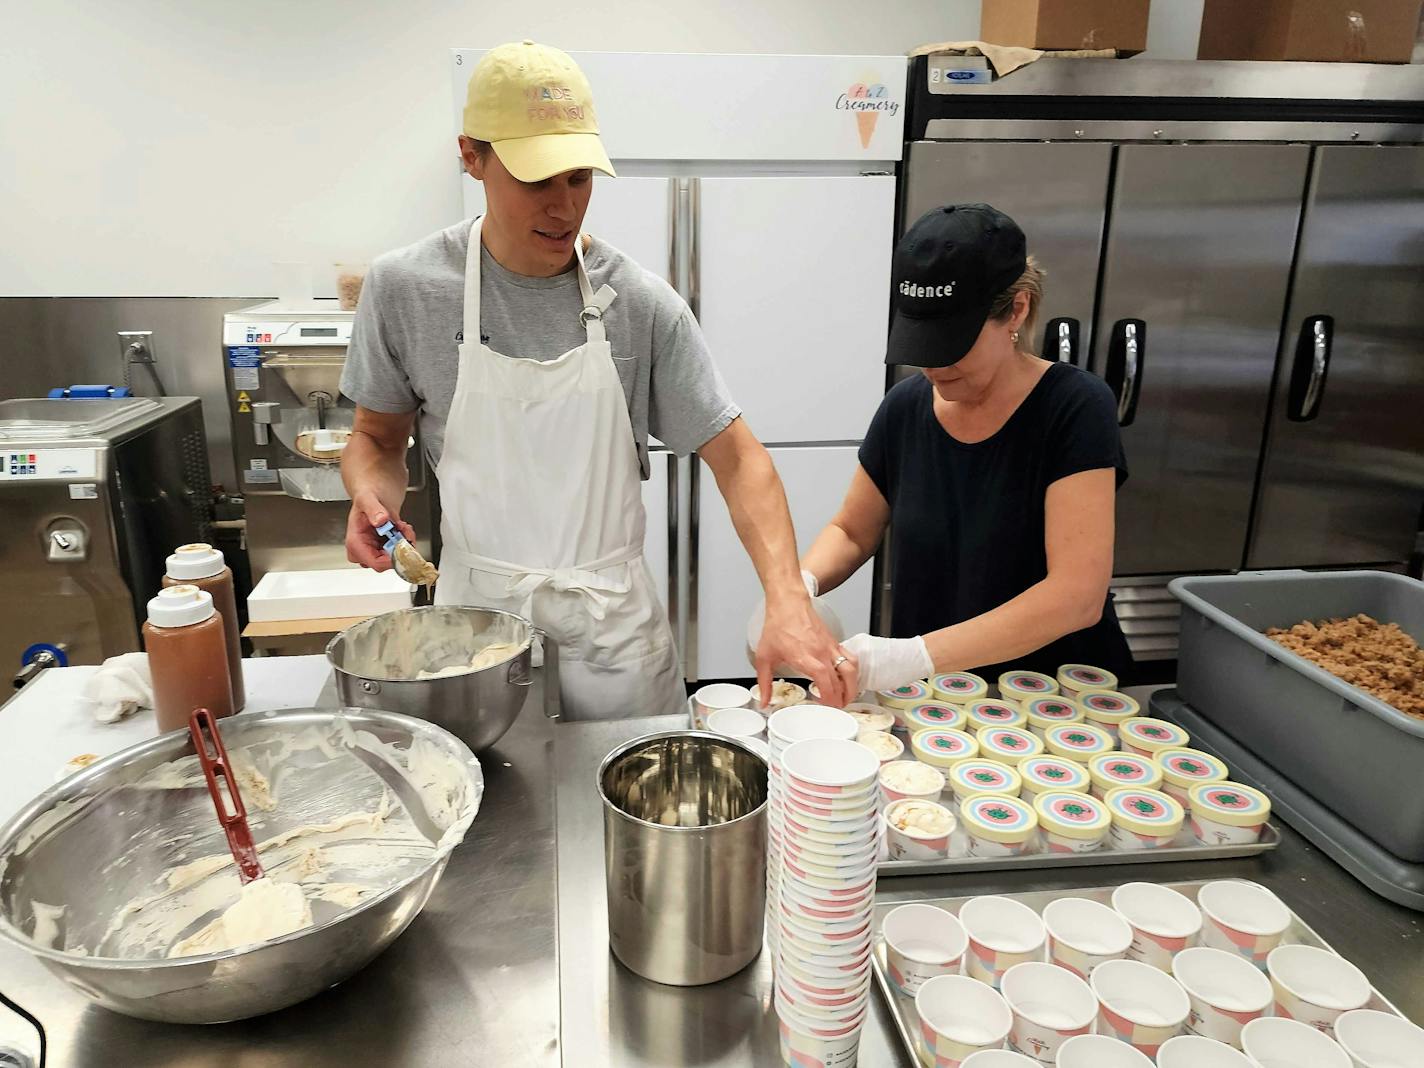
x=981, y=714
x=999, y=818
x=932, y=714
x=1081, y=677
x=1230, y=803
x=906, y=696
x=1008, y=744
x=1051, y=773
x=1046, y=711
x=1152, y=735
x=1021, y=685
x=1108, y=706
x=1072, y=815
x=959, y=687
x=1078, y=741
x=943, y=746
x=1148, y=812
x=1186, y=767
x=1109, y=771
x=971, y=777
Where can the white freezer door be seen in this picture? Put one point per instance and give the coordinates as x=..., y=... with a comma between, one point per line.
x=794, y=299
x=816, y=479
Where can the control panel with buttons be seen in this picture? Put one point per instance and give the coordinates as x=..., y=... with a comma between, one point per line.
x=17, y=465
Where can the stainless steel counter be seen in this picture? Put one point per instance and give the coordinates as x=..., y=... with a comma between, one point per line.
x=476, y=978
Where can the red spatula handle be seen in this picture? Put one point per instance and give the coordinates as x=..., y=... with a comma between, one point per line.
x=212, y=755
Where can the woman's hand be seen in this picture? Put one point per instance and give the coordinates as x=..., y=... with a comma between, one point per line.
x=886, y=663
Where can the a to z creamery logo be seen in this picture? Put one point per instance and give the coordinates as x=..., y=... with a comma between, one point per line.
x=867, y=101
x=551, y=103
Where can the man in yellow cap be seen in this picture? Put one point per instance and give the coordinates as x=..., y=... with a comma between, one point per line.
x=539, y=361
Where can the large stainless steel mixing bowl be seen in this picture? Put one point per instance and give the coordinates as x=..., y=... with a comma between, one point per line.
x=377, y=661
x=100, y=839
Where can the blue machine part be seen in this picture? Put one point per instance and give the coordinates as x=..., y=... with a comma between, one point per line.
x=28, y=656
x=89, y=392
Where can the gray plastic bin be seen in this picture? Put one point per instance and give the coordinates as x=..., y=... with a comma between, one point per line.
x=1350, y=751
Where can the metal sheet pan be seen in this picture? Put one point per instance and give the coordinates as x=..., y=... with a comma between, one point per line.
x=902, y=1007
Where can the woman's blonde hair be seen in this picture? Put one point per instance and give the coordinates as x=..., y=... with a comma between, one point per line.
x=1031, y=283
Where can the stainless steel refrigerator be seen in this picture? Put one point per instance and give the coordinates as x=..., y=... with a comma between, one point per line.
x=1238, y=249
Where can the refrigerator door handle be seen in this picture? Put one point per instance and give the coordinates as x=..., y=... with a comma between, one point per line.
x=1312, y=362
x=1127, y=353
x=1060, y=340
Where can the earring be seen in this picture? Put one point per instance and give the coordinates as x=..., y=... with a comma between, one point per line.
x=1014, y=337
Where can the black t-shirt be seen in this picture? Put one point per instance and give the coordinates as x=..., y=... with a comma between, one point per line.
x=967, y=521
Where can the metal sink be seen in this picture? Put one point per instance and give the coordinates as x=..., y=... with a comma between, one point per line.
x=46, y=419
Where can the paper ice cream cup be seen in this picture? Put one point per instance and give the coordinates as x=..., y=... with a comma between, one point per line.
x=1110, y=771
x=998, y=825
x=943, y=747
x=718, y=695
x=1163, y=922
x=982, y=714
x=1049, y=1005
x=1074, y=679
x=1100, y=1051
x=958, y=688
x=959, y=1017
x=1138, y=1004
x=902, y=780
x=1107, y=709
x=806, y=1043
x=1002, y=932
x=1376, y=1039
x=830, y=767
x=911, y=843
x=906, y=696
x=801, y=723
x=1017, y=687
x=1050, y=774
x=1243, y=918
x=1044, y=712
x=1071, y=822
x=1183, y=768
x=1078, y=741
x=1008, y=745
x=1193, y=1051
x=1227, y=813
x=973, y=778
x=1226, y=993
x=1314, y=986
x=1083, y=934
x=736, y=722
x=1269, y=1041
x=999, y=1058
x=922, y=942
x=1143, y=819
x=1147, y=737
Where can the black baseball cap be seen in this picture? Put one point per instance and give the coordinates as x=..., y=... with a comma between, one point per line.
x=946, y=272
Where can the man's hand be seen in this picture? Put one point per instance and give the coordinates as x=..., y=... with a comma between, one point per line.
x=885, y=663
x=362, y=545
x=795, y=636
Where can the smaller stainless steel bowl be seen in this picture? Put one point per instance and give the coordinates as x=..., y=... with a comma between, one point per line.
x=101, y=838
x=376, y=663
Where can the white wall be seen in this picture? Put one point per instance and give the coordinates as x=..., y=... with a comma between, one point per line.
x=151, y=147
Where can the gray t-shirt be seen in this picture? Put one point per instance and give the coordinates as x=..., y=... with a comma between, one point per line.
x=404, y=346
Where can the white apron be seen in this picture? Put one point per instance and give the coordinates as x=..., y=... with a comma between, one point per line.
x=543, y=512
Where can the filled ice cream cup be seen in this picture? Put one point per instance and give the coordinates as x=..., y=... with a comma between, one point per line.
x=943, y=747
x=1143, y=819
x=1049, y=1005
x=1078, y=741
x=922, y=942
x=1270, y=1042
x=1138, y=1004
x=931, y=714
x=1074, y=679
x=1227, y=813
x=918, y=830
x=999, y=825
x=1044, y=712
x=1008, y=745
x=958, y=687
x=1226, y=993
x=1376, y=1039
x=905, y=779
x=988, y=713
x=1017, y=687
x=1050, y=774
x=971, y=778
x=1147, y=737
x=1107, y=708
x=1100, y=1051
x=1163, y=922
x=1192, y=1051
x=1243, y=918
x=1083, y=934
x=1109, y=771
x=959, y=1017
x=1071, y=822
x=1002, y=932
x=801, y=723
x=870, y=717
x=784, y=694
x=906, y=696
x=1183, y=768
x=883, y=744
x=736, y=722
x=718, y=695
x=1314, y=986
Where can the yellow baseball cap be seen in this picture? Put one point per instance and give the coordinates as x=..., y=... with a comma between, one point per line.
x=534, y=105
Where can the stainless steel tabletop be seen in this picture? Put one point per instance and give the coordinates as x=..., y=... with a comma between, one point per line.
x=476, y=978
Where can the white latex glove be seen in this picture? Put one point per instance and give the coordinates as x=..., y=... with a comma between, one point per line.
x=886, y=663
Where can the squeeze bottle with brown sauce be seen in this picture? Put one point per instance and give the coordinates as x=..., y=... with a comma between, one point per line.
x=187, y=656
x=200, y=565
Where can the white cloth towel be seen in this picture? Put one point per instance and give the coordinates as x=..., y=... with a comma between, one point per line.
x=120, y=687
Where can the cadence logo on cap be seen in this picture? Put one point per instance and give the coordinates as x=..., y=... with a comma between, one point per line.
x=909, y=289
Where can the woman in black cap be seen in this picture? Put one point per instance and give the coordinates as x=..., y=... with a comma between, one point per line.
x=995, y=469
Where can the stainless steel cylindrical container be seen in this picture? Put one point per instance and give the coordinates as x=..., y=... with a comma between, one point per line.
x=684, y=845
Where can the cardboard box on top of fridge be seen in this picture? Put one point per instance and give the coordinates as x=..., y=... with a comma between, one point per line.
x=1065, y=24
x=1340, y=31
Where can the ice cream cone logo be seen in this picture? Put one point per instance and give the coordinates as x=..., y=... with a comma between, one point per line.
x=867, y=101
